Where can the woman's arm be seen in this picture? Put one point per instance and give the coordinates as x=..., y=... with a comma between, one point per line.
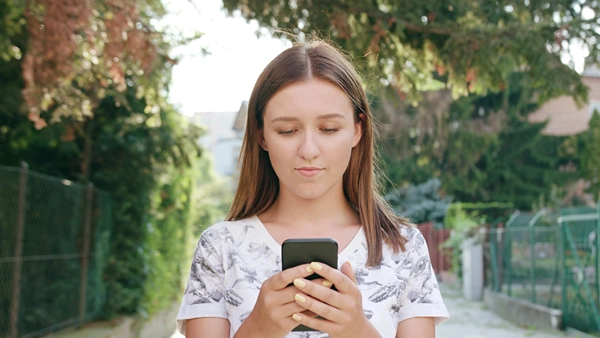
x=422, y=327
x=207, y=327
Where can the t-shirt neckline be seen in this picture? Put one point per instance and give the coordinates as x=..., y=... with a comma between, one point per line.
x=272, y=243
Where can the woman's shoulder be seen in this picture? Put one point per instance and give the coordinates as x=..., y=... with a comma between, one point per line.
x=226, y=231
x=408, y=230
x=412, y=234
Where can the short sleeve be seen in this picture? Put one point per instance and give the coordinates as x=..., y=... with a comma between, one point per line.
x=422, y=297
x=204, y=294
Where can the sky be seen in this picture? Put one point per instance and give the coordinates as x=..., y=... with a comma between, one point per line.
x=220, y=81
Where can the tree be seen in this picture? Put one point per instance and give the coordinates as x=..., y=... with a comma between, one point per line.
x=481, y=147
x=147, y=167
x=144, y=161
x=75, y=53
x=78, y=52
x=524, y=166
x=136, y=147
x=584, y=151
x=470, y=46
x=590, y=161
x=420, y=203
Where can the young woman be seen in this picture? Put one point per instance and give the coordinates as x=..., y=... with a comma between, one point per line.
x=307, y=171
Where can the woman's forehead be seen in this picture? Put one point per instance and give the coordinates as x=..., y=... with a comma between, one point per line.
x=318, y=98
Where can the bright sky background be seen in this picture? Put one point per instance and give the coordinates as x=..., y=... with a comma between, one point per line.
x=220, y=81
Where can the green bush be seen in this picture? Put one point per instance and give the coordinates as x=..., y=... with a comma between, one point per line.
x=141, y=153
x=465, y=220
x=148, y=170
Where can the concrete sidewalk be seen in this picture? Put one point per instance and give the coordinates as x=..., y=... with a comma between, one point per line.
x=473, y=320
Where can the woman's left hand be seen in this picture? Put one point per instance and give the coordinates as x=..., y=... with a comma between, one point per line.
x=341, y=310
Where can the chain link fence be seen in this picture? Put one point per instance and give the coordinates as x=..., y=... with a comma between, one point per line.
x=54, y=238
x=550, y=260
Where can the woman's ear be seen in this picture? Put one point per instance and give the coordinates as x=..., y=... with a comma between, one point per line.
x=358, y=129
x=261, y=140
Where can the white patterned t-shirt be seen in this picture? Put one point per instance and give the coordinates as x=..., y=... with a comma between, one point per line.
x=234, y=258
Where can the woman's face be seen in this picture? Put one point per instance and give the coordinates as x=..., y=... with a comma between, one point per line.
x=309, y=132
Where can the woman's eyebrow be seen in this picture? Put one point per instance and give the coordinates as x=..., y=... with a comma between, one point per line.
x=284, y=119
x=320, y=117
x=331, y=116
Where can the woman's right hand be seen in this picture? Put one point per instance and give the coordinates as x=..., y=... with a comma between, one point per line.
x=272, y=313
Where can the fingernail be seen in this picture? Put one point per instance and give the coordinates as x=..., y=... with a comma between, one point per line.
x=299, y=298
x=327, y=283
x=316, y=266
x=309, y=269
x=350, y=265
x=299, y=283
x=297, y=317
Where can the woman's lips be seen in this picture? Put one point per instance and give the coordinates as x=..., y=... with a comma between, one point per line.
x=309, y=172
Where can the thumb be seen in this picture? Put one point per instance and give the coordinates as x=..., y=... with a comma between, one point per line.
x=349, y=272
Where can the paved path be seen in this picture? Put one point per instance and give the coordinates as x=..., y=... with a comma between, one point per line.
x=472, y=320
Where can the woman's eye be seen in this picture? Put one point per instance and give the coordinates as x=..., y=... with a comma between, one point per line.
x=285, y=132
x=330, y=130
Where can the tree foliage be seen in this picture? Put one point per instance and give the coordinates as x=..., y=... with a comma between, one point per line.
x=136, y=147
x=470, y=46
x=147, y=168
x=584, y=151
x=421, y=202
x=481, y=147
x=590, y=159
x=524, y=166
x=78, y=52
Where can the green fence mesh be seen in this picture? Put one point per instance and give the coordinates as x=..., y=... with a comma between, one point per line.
x=580, y=273
x=53, y=247
x=550, y=260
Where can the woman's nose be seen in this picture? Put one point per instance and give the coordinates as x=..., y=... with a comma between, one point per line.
x=309, y=148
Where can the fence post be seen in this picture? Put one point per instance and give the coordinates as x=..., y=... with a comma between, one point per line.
x=16, y=285
x=508, y=252
x=532, y=257
x=493, y=240
x=531, y=225
x=563, y=273
x=89, y=195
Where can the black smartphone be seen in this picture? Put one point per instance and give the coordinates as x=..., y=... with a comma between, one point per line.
x=297, y=251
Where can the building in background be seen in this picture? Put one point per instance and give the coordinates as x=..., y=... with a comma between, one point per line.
x=566, y=118
x=563, y=115
x=223, y=136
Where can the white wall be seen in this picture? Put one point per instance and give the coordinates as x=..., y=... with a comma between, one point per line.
x=220, y=140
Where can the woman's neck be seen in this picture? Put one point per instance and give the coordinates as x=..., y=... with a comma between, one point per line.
x=312, y=218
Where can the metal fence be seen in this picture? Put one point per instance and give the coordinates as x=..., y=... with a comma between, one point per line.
x=54, y=237
x=551, y=260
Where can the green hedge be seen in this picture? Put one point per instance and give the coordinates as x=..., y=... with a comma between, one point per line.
x=464, y=221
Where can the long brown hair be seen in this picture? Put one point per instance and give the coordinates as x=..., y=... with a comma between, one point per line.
x=258, y=184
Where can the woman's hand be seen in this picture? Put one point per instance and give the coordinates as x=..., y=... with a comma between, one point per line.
x=342, y=309
x=272, y=313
